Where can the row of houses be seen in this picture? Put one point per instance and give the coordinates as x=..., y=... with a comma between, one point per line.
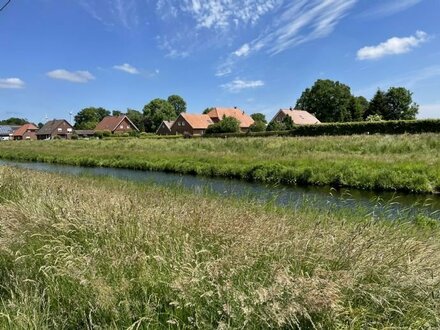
x=196, y=124
x=185, y=124
x=61, y=128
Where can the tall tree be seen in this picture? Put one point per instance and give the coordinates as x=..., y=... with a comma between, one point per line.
x=356, y=108
x=137, y=118
x=178, y=103
x=116, y=113
x=400, y=105
x=328, y=100
x=89, y=117
x=207, y=110
x=14, y=121
x=157, y=111
x=260, y=117
x=377, y=106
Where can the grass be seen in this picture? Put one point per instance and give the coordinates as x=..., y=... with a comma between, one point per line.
x=409, y=163
x=102, y=253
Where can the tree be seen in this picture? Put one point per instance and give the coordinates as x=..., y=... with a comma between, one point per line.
x=14, y=121
x=259, y=117
x=89, y=117
x=116, y=113
x=226, y=125
x=285, y=125
x=394, y=104
x=137, y=118
x=258, y=126
x=328, y=100
x=207, y=110
x=356, y=108
x=400, y=105
x=40, y=125
x=157, y=111
x=178, y=103
x=377, y=105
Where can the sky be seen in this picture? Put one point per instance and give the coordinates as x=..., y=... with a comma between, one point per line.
x=59, y=56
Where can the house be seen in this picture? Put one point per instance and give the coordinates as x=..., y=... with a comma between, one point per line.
x=299, y=117
x=165, y=128
x=57, y=128
x=7, y=132
x=116, y=124
x=191, y=124
x=26, y=132
x=217, y=114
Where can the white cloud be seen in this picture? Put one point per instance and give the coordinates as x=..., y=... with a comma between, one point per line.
x=429, y=111
x=390, y=7
x=392, y=46
x=76, y=76
x=243, y=50
x=11, y=83
x=113, y=12
x=238, y=85
x=126, y=68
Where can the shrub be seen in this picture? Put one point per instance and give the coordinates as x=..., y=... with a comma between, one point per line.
x=226, y=125
x=74, y=137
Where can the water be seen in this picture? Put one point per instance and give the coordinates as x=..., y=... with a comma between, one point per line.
x=388, y=205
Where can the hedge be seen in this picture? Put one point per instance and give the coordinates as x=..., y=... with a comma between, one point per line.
x=380, y=127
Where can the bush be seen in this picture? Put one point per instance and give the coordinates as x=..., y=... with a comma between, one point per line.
x=226, y=125
x=74, y=137
x=378, y=127
x=258, y=126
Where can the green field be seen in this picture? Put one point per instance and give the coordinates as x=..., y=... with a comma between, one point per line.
x=371, y=162
x=81, y=253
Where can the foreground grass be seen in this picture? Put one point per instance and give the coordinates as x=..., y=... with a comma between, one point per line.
x=380, y=162
x=100, y=253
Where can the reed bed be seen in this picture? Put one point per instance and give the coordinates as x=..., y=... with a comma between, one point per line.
x=104, y=253
x=408, y=163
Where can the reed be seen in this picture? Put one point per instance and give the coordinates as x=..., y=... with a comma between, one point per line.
x=104, y=253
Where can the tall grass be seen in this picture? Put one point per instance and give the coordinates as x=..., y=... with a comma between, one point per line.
x=400, y=163
x=101, y=253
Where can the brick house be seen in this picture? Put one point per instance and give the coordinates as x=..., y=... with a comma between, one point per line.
x=165, y=128
x=299, y=117
x=217, y=114
x=116, y=124
x=26, y=132
x=55, y=128
x=191, y=124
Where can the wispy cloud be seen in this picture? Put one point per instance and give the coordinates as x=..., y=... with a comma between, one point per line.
x=113, y=12
x=393, y=46
x=72, y=76
x=126, y=68
x=295, y=23
x=238, y=85
x=389, y=7
x=408, y=80
x=12, y=83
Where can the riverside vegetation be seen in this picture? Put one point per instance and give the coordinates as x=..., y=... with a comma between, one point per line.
x=372, y=162
x=83, y=252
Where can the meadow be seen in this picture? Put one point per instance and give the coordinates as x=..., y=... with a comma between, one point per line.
x=409, y=163
x=102, y=253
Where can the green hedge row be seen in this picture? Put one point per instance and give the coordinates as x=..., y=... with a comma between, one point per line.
x=380, y=127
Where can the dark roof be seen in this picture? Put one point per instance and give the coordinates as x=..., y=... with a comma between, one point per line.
x=51, y=126
x=111, y=123
x=7, y=129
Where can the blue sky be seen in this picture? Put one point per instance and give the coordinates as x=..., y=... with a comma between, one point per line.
x=59, y=56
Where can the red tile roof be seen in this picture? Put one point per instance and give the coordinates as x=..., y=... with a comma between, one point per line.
x=245, y=120
x=111, y=123
x=197, y=121
x=23, y=129
x=301, y=117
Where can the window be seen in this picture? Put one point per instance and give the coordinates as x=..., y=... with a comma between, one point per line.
x=69, y=130
x=121, y=127
x=183, y=123
x=60, y=129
